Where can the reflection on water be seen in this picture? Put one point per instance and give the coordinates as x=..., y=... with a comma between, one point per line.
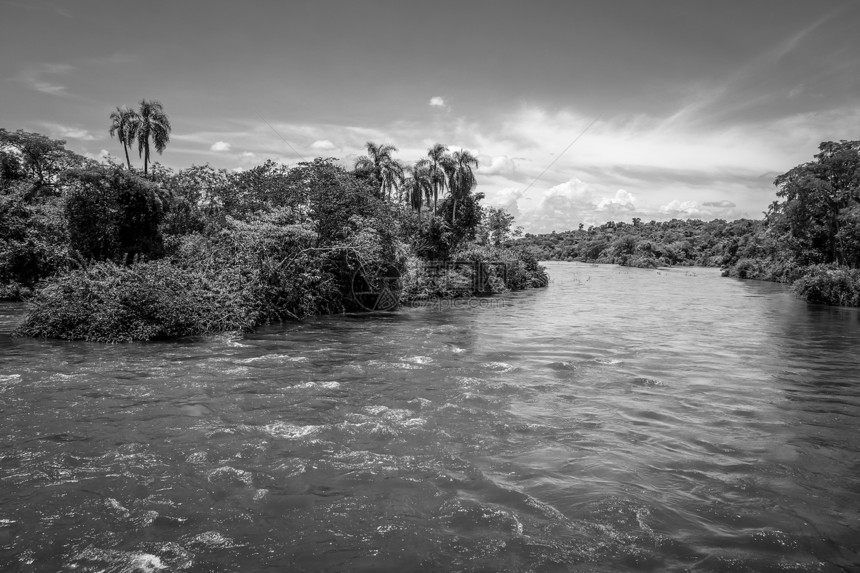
x=619, y=420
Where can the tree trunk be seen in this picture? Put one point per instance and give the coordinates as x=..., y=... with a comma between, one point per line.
x=145, y=159
x=127, y=160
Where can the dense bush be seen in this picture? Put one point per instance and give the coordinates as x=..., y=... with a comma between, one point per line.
x=107, y=302
x=113, y=214
x=33, y=241
x=825, y=284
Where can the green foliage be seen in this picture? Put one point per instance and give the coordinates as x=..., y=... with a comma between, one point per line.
x=819, y=199
x=113, y=214
x=33, y=240
x=649, y=245
x=828, y=284
x=37, y=159
x=146, y=301
x=242, y=249
x=151, y=127
x=496, y=227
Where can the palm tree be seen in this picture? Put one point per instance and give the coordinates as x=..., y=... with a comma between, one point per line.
x=123, y=123
x=418, y=185
x=152, y=125
x=379, y=161
x=461, y=178
x=437, y=174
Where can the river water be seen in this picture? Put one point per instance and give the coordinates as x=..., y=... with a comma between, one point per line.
x=618, y=420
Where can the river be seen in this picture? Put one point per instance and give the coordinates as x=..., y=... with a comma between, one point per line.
x=618, y=420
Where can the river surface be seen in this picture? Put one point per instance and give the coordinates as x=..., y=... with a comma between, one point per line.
x=618, y=420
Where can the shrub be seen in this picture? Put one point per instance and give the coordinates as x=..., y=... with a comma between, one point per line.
x=113, y=214
x=33, y=241
x=824, y=284
x=146, y=301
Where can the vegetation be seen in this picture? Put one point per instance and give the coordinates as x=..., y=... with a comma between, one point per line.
x=102, y=253
x=647, y=245
x=810, y=237
x=149, y=124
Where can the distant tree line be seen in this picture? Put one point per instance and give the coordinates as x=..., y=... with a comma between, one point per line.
x=809, y=237
x=647, y=245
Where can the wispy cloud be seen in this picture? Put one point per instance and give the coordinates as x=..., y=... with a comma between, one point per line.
x=43, y=78
x=437, y=101
x=220, y=146
x=69, y=132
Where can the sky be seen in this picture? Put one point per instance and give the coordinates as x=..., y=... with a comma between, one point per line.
x=579, y=111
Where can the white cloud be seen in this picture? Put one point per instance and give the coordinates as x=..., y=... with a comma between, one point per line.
x=40, y=78
x=695, y=210
x=220, y=146
x=437, y=101
x=498, y=165
x=69, y=132
x=323, y=145
x=622, y=200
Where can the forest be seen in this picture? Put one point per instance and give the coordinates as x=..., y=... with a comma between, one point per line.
x=809, y=237
x=108, y=252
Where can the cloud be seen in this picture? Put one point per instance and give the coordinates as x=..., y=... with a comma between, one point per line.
x=498, y=165
x=694, y=210
x=220, y=146
x=323, y=145
x=622, y=200
x=722, y=204
x=437, y=101
x=41, y=78
x=69, y=132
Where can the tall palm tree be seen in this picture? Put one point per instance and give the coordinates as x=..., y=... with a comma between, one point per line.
x=123, y=124
x=418, y=185
x=391, y=176
x=437, y=174
x=461, y=178
x=152, y=125
x=379, y=161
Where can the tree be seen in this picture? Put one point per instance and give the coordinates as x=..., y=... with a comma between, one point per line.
x=461, y=178
x=418, y=185
x=437, y=155
x=152, y=125
x=379, y=162
x=815, y=196
x=35, y=157
x=123, y=124
x=113, y=214
x=496, y=226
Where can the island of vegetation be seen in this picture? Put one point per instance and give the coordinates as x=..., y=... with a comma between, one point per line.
x=809, y=237
x=107, y=252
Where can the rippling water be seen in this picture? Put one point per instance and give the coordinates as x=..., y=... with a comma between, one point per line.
x=619, y=420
